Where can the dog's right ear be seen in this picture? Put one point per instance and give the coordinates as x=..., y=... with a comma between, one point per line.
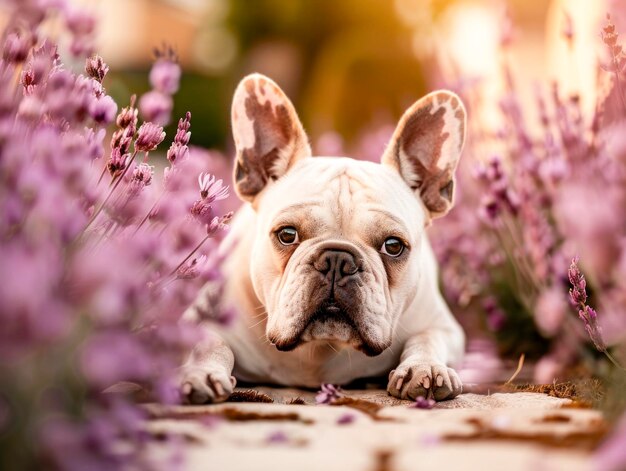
x=269, y=137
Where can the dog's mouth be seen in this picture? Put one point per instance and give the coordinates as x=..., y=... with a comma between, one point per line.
x=332, y=323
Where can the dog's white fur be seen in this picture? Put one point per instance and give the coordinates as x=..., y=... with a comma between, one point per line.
x=337, y=204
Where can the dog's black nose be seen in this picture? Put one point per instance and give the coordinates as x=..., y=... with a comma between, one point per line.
x=337, y=264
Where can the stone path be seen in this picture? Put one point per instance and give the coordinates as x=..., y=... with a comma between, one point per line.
x=375, y=432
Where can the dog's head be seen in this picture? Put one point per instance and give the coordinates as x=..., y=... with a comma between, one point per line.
x=338, y=240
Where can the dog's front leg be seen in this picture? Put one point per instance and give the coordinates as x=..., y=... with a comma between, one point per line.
x=206, y=376
x=423, y=369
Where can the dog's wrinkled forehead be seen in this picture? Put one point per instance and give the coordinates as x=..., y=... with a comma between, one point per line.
x=351, y=189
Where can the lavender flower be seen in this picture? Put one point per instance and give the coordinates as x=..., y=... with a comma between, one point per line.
x=219, y=223
x=422, y=403
x=156, y=107
x=178, y=150
x=578, y=291
x=211, y=189
x=587, y=314
x=117, y=162
x=16, y=48
x=96, y=68
x=328, y=393
x=128, y=117
x=103, y=110
x=165, y=76
x=110, y=283
x=149, y=137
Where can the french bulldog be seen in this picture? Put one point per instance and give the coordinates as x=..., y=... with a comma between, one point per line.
x=328, y=263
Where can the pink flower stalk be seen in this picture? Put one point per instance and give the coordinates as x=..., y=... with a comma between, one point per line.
x=500, y=196
x=179, y=151
x=578, y=296
x=149, y=136
x=328, y=393
x=617, y=56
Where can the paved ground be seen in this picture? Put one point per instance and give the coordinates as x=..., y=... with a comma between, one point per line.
x=374, y=432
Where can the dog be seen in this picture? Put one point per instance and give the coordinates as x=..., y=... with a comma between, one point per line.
x=328, y=263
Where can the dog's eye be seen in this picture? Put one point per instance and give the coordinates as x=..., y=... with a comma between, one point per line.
x=392, y=247
x=288, y=235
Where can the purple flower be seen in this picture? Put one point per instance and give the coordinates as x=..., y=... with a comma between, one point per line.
x=165, y=76
x=202, y=211
x=219, y=223
x=182, y=133
x=121, y=140
x=191, y=270
x=80, y=22
x=496, y=318
x=16, y=48
x=96, y=68
x=102, y=369
x=178, y=150
x=102, y=263
x=328, y=393
x=550, y=310
x=149, y=136
x=128, y=117
x=587, y=314
x=422, y=403
x=156, y=107
x=578, y=291
x=211, y=189
x=117, y=162
x=103, y=110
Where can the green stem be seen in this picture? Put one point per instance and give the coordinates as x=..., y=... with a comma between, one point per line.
x=613, y=360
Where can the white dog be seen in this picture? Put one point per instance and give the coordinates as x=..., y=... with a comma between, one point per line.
x=329, y=265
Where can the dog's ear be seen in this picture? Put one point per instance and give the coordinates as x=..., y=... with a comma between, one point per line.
x=269, y=137
x=426, y=146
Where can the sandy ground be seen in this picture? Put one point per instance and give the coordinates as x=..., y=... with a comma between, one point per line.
x=374, y=432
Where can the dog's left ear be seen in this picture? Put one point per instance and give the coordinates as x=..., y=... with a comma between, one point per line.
x=269, y=137
x=426, y=146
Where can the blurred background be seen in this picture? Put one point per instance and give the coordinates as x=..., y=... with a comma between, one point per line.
x=349, y=66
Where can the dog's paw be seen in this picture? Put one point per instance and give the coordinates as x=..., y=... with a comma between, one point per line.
x=409, y=381
x=200, y=386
